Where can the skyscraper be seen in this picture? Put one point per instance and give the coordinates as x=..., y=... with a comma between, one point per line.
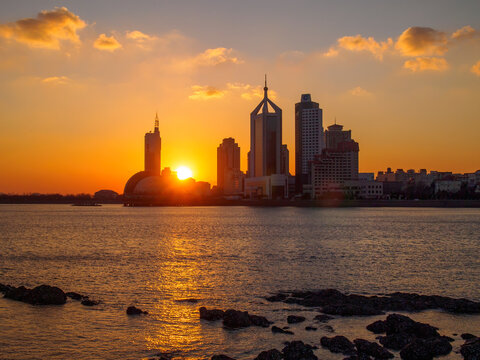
x=265, y=138
x=153, y=148
x=309, y=138
x=229, y=176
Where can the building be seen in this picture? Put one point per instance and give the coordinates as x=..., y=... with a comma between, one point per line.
x=267, y=175
x=363, y=189
x=337, y=163
x=153, y=149
x=309, y=139
x=229, y=176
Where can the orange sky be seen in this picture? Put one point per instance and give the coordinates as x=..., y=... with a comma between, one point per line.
x=76, y=97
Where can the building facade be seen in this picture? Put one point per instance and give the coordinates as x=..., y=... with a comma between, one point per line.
x=229, y=176
x=336, y=164
x=309, y=139
x=153, y=149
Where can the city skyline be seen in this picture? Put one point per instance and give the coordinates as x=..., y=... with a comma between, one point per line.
x=74, y=99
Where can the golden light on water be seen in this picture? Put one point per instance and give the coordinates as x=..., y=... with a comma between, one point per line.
x=184, y=172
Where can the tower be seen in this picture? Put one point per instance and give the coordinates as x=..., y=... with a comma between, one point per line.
x=153, y=149
x=309, y=139
x=229, y=176
x=264, y=158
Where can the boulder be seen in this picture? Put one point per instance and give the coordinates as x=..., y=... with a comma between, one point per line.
x=470, y=350
x=260, y=321
x=276, y=298
x=211, y=315
x=75, y=296
x=467, y=336
x=425, y=349
x=396, y=341
x=338, y=344
x=310, y=328
x=40, y=295
x=132, y=310
x=297, y=350
x=4, y=288
x=323, y=318
x=294, y=319
x=236, y=319
x=88, y=302
x=377, y=327
x=272, y=354
x=372, y=349
x=277, y=330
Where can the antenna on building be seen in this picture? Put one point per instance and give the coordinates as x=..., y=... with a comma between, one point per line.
x=156, y=121
x=266, y=81
x=335, y=120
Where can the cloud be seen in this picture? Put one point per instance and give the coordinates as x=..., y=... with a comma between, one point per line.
x=46, y=30
x=476, y=68
x=332, y=52
x=107, y=43
x=420, y=41
x=138, y=36
x=426, y=63
x=359, y=43
x=206, y=93
x=216, y=56
x=56, y=80
x=465, y=32
x=358, y=91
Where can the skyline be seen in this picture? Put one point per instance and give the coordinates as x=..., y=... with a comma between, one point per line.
x=75, y=102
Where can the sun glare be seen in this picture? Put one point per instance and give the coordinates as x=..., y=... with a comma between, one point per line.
x=184, y=172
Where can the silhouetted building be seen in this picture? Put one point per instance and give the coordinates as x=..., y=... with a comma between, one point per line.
x=106, y=195
x=153, y=149
x=309, y=139
x=336, y=164
x=267, y=158
x=229, y=176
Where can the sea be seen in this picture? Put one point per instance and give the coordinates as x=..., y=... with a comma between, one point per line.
x=170, y=261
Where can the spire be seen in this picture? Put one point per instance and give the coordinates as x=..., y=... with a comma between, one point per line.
x=156, y=122
x=265, y=89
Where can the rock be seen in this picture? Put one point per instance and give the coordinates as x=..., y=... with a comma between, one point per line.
x=277, y=330
x=221, y=357
x=88, y=302
x=276, y=298
x=310, y=328
x=323, y=318
x=75, y=296
x=396, y=341
x=396, y=323
x=236, y=319
x=425, y=349
x=297, y=350
x=260, y=321
x=272, y=354
x=211, y=315
x=372, y=349
x=467, y=336
x=132, y=310
x=351, y=310
x=358, y=357
x=471, y=349
x=377, y=327
x=338, y=344
x=191, y=301
x=40, y=295
x=4, y=288
x=294, y=319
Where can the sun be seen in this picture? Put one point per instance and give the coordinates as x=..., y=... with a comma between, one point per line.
x=184, y=172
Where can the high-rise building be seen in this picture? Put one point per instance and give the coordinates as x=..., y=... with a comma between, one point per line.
x=265, y=138
x=309, y=139
x=229, y=176
x=337, y=163
x=153, y=149
x=284, y=163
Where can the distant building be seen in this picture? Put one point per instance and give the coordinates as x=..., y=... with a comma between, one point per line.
x=106, y=195
x=229, y=176
x=363, y=189
x=309, y=139
x=448, y=186
x=336, y=164
x=366, y=176
x=153, y=149
x=267, y=175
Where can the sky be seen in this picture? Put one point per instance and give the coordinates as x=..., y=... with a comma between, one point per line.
x=81, y=81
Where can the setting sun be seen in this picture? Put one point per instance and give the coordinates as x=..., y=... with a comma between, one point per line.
x=184, y=172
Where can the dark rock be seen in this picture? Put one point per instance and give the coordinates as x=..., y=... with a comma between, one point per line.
x=75, y=296
x=297, y=350
x=132, y=310
x=4, y=288
x=88, y=302
x=338, y=344
x=397, y=323
x=260, y=321
x=211, y=315
x=221, y=357
x=40, y=295
x=372, y=349
x=467, y=336
x=276, y=298
x=377, y=327
x=236, y=319
x=396, y=341
x=294, y=319
x=327, y=328
x=425, y=349
x=323, y=318
x=310, y=328
x=471, y=349
x=272, y=354
x=286, y=327
x=191, y=301
x=358, y=357
x=277, y=330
